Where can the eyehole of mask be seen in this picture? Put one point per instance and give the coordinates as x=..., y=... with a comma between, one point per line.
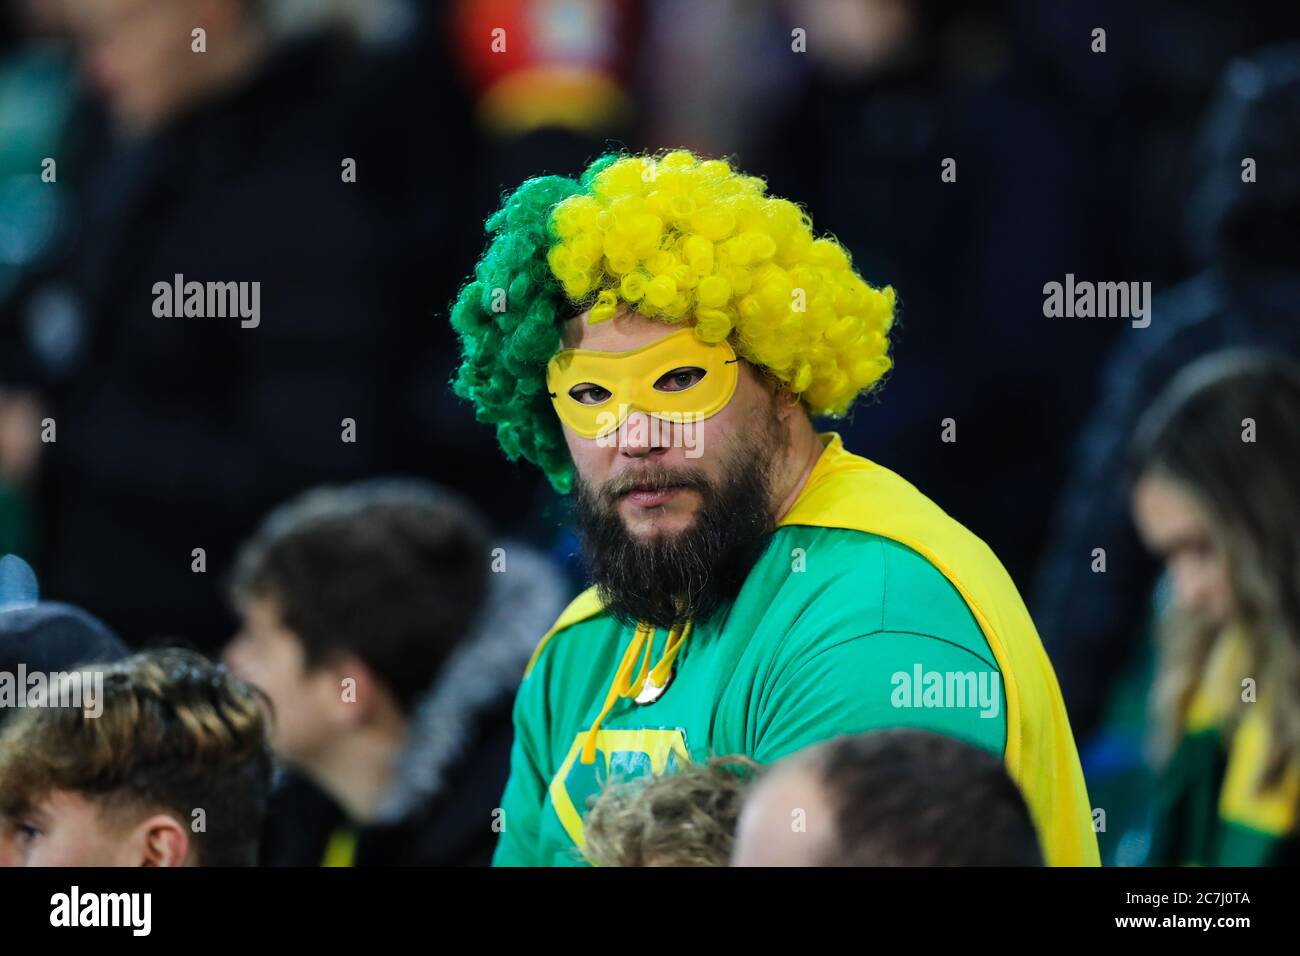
x=684, y=370
x=579, y=392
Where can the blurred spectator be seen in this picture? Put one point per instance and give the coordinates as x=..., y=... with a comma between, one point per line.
x=1249, y=233
x=683, y=818
x=1216, y=458
x=177, y=737
x=391, y=655
x=889, y=798
x=227, y=165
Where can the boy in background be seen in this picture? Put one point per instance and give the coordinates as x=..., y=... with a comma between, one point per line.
x=175, y=771
x=391, y=651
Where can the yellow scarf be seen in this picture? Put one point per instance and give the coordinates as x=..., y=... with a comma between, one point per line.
x=1241, y=799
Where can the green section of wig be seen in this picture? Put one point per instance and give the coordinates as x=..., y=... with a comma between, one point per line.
x=509, y=320
x=675, y=239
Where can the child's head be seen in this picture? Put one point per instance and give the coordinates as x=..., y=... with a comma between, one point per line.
x=888, y=798
x=685, y=818
x=351, y=600
x=174, y=771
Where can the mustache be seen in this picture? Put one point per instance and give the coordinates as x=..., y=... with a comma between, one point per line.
x=654, y=478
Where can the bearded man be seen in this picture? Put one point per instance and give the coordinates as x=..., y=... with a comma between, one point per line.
x=757, y=588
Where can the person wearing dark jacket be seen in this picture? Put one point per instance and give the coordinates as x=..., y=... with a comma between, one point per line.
x=1243, y=220
x=391, y=641
x=171, y=432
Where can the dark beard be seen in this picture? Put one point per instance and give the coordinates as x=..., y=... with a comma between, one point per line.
x=669, y=580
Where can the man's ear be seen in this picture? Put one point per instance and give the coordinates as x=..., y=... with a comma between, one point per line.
x=162, y=840
x=787, y=402
x=357, y=692
x=783, y=400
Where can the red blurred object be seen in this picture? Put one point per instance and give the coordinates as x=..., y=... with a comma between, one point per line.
x=537, y=63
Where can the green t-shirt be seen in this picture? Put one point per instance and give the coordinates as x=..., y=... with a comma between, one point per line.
x=834, y=632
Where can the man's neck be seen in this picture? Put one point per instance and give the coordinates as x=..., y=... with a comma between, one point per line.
x=358, y=773
x=805, y=450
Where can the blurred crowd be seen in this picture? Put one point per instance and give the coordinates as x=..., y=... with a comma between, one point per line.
x=194, y=482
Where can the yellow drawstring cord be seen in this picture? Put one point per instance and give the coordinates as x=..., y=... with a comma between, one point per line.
x=676, y=638
x=624, y=686
x=621, y=680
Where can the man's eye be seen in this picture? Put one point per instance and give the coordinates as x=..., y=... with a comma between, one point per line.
x=588, y=394
x=679, y=379
x=26, y=832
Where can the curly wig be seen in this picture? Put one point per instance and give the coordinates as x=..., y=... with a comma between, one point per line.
x=677, y=239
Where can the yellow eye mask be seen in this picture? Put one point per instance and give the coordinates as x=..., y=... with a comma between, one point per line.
x=594, y=392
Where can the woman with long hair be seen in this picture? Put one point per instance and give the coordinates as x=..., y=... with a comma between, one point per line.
x=1216, y=494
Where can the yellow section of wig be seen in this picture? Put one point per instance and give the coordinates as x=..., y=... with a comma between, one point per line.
x=682, y=240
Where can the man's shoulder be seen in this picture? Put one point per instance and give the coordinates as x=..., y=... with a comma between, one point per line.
x=858, y=564
x=586, y=607
x=845, y=584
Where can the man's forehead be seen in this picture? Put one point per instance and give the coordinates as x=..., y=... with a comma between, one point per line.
x=624, y=332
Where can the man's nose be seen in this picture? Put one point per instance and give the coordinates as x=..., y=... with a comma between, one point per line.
x=638, y=438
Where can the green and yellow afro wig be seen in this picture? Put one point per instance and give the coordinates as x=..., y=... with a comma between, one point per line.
x=677, y=239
